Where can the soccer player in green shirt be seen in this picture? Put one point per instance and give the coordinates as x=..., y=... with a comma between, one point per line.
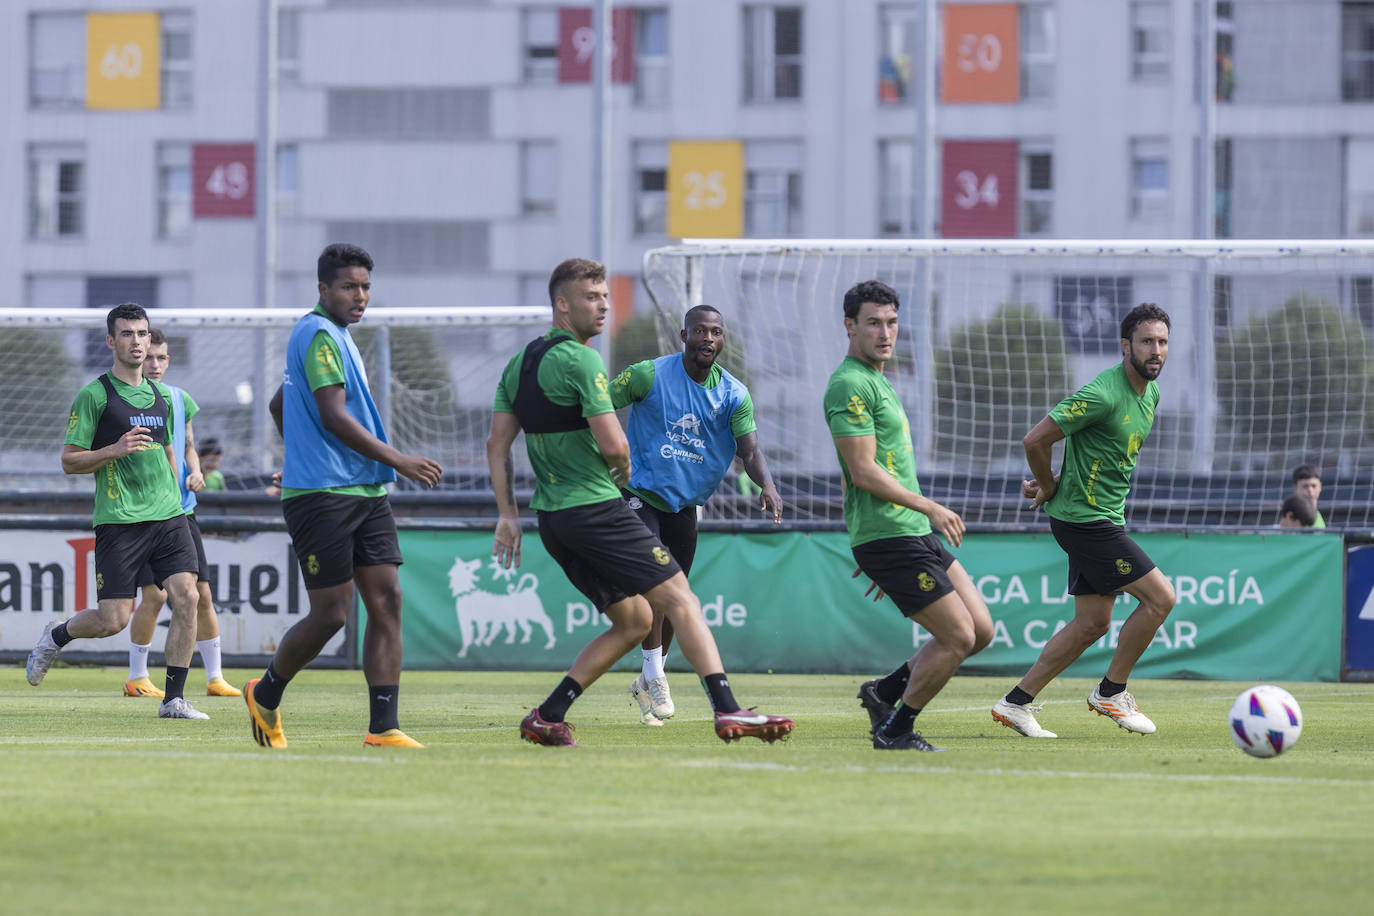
x=891, y=525
x=119, y=433
x=556, y=390
x=1105, y=422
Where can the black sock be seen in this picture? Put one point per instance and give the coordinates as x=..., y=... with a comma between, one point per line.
x=902, y=720
x=176, y=682
x=1018, y=697
x=1110, y=688
x=271, y=686
x=59, y=634
x=382, y=701
x=556, y=706
x=891, y=688
x=718, y=689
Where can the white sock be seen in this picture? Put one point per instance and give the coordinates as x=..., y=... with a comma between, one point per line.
x=653, y=663
x=209, y=656
x=138, y=660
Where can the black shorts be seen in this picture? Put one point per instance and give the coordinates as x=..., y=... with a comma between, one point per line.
x=166, y=547
x=606, y=551
x=333, y=533
x=1102, y=559
x=146, y=577
x=914, y=571
x=677, y=530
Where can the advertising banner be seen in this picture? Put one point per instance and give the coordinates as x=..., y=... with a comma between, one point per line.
x=706, y=189
x=123, y=60
x=1250, y=607
x=1359, y=609
x=981, y=60
x=46, y=576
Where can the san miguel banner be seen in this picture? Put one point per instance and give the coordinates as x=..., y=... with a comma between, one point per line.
x=46, y=576
x=1250, y=607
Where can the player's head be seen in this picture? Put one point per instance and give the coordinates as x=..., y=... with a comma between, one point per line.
x=1297, y=512
x=210, y=454
x=345, y=282
x=703, y=336
x=126, y=333
x=156, y=357
x=870, y=320
x=1145, y=339
x=1307, y=482
x=580, y=299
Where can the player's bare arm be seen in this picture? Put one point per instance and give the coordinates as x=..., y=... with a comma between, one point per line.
x=751, y=456
x=859, y=452
x=334, y=416
x=78, y=460
x=274, y=407
x=1039, y=444
x=615, y=448
x=504, y=428
x=195, y=480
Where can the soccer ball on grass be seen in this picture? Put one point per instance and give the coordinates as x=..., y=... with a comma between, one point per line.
x=1265, y=721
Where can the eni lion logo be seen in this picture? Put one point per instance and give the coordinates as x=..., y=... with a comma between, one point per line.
x=926, y=582
x=661, y=556
x=312, y=565
x=1123, y=567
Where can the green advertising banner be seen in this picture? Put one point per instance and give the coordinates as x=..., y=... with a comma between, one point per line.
x=1250, y=606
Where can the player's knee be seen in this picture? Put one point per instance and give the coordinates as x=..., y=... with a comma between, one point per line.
x=960, y=640
x=1094, y=628
x=982, y=635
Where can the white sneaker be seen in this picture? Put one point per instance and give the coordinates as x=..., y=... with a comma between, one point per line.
x=41, y=658
x=660, y=698
x=1020, y=719
x=642, y=693
x=178, y=708
x=1122, y=710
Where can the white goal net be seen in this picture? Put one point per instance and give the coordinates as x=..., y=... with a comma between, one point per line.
x=1269, y=362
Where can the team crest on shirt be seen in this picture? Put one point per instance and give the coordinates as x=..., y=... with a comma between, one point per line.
x=857, y=405
x=324, y=355
x=1078, y=408
x=926, y=582
x=622, y=380
x=1123, y=567
x=601, y=384
x=661, y=556
x=71, y=423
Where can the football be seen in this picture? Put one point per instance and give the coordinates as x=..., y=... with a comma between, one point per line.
x=1265, y=721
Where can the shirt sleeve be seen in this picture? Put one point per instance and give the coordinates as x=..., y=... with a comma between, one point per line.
x=742, y=420
x=632, y=384
x=504, y=402
x=1081, y=409
x=847, y=409
x=588, y=380
x=84, y=418
x=323, y=362
x=192, y=408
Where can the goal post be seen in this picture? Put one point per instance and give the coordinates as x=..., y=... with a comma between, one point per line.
x=1269, y=363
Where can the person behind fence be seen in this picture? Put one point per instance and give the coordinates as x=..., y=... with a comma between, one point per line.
x=1297, y=512
x=555, y=389
x=143, y=624
x=1308, y=483
x=689, y=420
x=333, y=497
x=1106, y=423
x=119, y=433
x=210, y=457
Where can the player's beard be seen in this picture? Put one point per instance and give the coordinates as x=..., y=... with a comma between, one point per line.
x=1145, y=371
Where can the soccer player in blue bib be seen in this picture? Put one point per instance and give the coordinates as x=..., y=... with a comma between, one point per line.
x=333, y=491
x=689, y=418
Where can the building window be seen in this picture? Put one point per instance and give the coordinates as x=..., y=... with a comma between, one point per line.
x=651, y=188
x=1362, y=300
x=541, y=46
x=289, y=47
x=773, y=190
x=57, y=60
x=288, y=179
x=1226, y=51
x=538, y=177
x=897, y=189
x=1357, y=52
x=411, y=114
x=177, y=75
x=1037, y=190
x=419, y=246
x=1090, y=309
x=1359, y=186
x=1037, y=50
x=772, y=53
x=57, y=191
x=651, y=57
x=1150, y=41
x=173, y=190
x=899, y=27
x=1150, y=179
x=1222, y=226
x=1221, y=306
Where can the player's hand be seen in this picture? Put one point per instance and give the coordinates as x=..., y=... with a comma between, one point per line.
x=620, y=473
x=195, y=483
x=1031, y=490
x=135, y=440
x=947, y=522
x=858, y=571
x=770, y=498
x=276, y=478
x=422, y=469
x=506, y=548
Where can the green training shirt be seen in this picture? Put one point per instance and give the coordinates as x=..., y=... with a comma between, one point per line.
x=859, y=401
x=568, y=468
x=141, y=486
x=1106, y=423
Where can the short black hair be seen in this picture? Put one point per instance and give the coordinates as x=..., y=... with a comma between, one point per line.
x=340, y=255
x=687, y=317
x=875, y=291
x=209, y=446
x=573, y=269
x=1305, y=472
x=1145, y=311
x=1301, y=508
x=156, y=337
x=129, y=311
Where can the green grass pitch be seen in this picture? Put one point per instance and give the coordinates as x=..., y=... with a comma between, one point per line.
x=106, y=809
